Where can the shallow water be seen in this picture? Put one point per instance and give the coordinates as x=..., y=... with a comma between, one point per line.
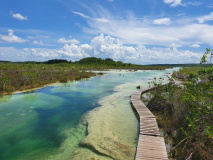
x=50, y=123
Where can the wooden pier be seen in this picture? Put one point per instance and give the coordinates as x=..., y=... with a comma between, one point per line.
x=150, y=145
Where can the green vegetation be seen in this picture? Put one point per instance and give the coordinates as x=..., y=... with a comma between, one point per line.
x=185, y=65
x=21, y=76
x=138, y=87
x=187, y=113
x=16, y=76
x=100, y=73
x=101, y=64
x=204, y=58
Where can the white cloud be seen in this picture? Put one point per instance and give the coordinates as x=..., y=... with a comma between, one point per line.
x=193, y=3
x=133, y=30
x=68, y=51
x=38, y=42
x=173, y=47
x=75, y=52
x=63, y=40
x=19, y=16
x=107, y=46
x=103, y=20
x=166, y=21
x=181, y=14
x=26, y=49
x=205, y=18
x=195, y=45
x=104, y=47
x=173, y=3
x=210, y=6
x=11, y=38
x=110, y=0
x=82, y=15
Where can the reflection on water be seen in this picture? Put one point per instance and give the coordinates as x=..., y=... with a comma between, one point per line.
x=44, y=124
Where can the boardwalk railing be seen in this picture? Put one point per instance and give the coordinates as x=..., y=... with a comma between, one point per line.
x=150, y=145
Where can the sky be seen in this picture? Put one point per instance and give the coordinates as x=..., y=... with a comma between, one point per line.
x=131, y=31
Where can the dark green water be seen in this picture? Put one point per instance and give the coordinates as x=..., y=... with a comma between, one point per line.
x=36, y=121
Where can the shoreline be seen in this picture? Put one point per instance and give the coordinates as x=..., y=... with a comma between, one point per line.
x=104, y=124
x=53, y=83
x=39, y=87
x=94, y=71
x=102, y=131
x=27, y=90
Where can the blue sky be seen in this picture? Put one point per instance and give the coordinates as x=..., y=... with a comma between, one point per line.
x=136, y=31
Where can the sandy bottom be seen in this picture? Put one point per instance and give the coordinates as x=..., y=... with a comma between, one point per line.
x=105, y=133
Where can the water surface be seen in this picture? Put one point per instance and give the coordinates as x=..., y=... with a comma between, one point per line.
x=48, y=124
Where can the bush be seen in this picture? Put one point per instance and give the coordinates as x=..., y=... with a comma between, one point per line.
x=191, y=117
x=138, y=87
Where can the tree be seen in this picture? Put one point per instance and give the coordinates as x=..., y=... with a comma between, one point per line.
x=206, y=54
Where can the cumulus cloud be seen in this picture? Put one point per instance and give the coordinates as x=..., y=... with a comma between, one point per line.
x=173, y=47
x=69, y=52
x=75, y=52
x=19, y=16
x=205, y=18
x=163, y=55
x=63, y=40
x=173, y=3
x=195, y=45
x=11, y=37
x=38, y=42
x=110, y=47
x=166, y=21
x=104, y=47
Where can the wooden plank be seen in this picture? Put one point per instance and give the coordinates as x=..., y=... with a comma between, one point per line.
x=150, y=145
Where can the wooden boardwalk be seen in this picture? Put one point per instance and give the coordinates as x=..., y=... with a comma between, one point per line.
x=150, y=145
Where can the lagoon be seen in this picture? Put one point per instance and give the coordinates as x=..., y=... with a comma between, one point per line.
x=87, y=119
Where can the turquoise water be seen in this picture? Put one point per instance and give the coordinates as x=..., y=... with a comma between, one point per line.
x=35, y=122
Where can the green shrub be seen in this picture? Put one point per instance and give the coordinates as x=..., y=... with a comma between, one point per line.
x=191, y=115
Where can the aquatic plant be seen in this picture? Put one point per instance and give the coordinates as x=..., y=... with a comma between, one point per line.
x=138, y=87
